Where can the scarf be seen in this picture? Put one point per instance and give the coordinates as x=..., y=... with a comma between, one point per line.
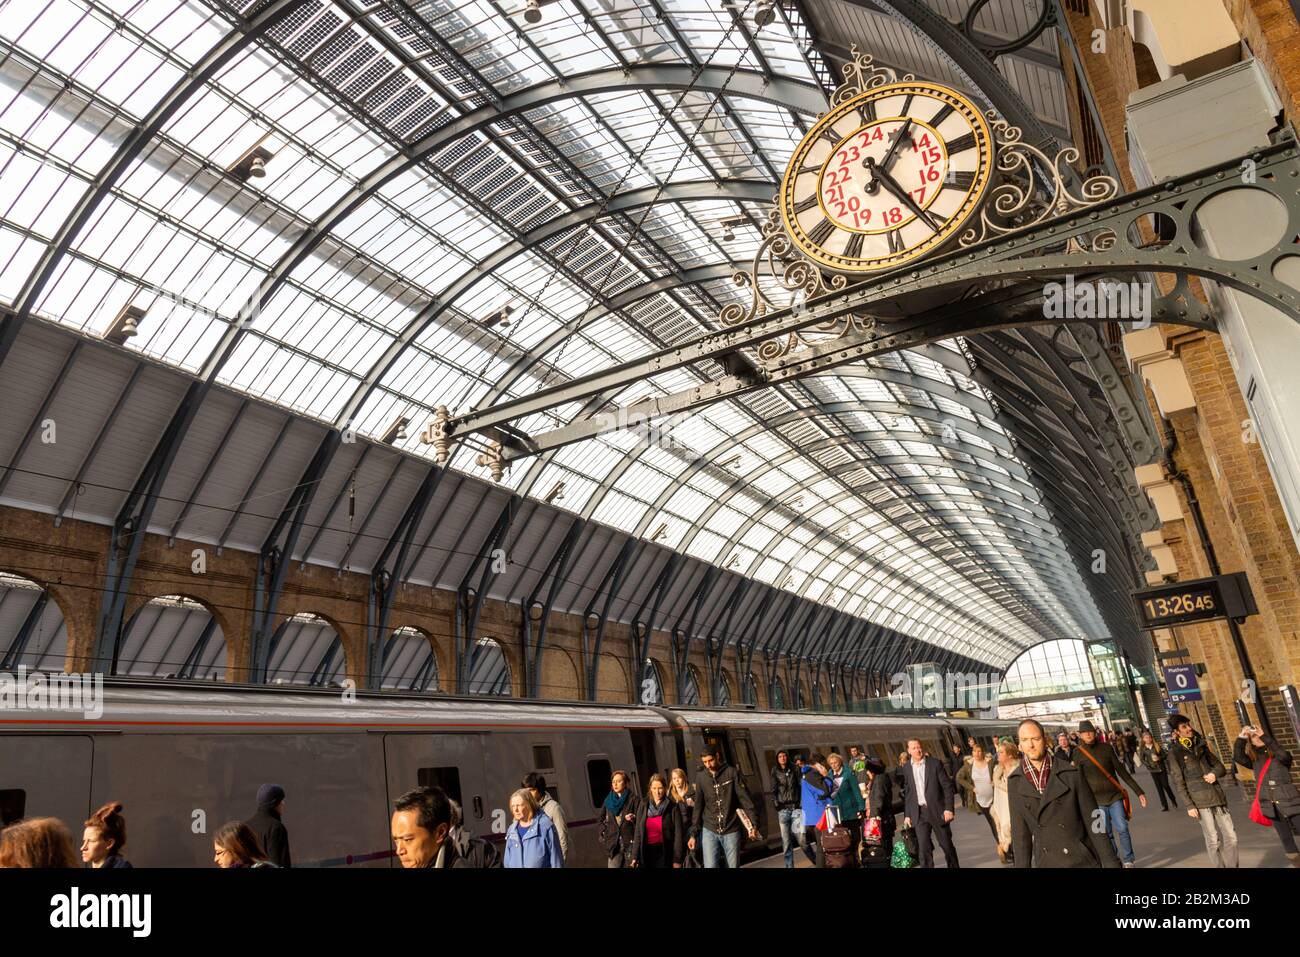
x=1037, y=778
x=1186, y=742
x=655, y=810
x=614, y=803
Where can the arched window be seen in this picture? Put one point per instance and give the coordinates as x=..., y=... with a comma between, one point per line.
x=409, y=662
x=692, y=695
x=651, y=686
x=173, y=637
x=306, y=650
x=489, y=672
x=777, y=695
x=32, y=631
x=749, y=690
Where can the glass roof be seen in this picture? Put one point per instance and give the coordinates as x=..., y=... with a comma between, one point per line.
x=887, y=490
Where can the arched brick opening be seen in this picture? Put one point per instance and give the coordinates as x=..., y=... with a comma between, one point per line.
x=175, y=636
x=412, y=661
x=33, y=612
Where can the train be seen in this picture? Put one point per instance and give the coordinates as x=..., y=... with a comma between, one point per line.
x=185, y=757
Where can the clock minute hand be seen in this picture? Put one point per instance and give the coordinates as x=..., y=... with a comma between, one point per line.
x=891, y=153
x=901, y=194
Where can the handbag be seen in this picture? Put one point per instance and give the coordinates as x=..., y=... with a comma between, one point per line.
x=1256, y=814
x=1128, y=806
x=870, y=826
x=904, y=856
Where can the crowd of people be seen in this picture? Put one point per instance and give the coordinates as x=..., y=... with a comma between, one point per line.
x=1062, y=806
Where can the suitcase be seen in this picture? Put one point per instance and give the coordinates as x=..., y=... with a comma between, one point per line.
x=837, y=847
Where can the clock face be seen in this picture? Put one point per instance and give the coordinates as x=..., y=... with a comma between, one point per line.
x=886, y=177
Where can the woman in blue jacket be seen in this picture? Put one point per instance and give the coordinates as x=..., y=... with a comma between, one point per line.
x=816, y=796
x=531, y=840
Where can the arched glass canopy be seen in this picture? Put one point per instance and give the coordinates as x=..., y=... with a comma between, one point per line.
x=361, y=212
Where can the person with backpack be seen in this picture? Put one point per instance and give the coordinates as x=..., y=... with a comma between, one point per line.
x=1196, y=772
x=1102, y=769
x=268, y=827
x=1277, y=802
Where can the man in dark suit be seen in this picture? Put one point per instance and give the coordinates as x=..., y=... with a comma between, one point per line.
x=1055, y=821
x=928, y=796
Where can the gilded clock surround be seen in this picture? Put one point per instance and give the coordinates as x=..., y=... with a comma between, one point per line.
x=952, y=222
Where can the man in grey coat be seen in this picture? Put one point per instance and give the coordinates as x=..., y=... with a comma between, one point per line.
x=1195, y=772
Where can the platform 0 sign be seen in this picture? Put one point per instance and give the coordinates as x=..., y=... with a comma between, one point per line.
x=1204, y=599
x=1180, y=680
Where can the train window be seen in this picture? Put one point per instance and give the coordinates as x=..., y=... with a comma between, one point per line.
x=599, y=772
x=542, y=758
x=745, y=757
x=13, y=805
x=446, y=778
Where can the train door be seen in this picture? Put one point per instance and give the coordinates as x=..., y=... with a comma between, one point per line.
x=743, y=753
x=453, y=762
x=643, y=756
x=45, y=776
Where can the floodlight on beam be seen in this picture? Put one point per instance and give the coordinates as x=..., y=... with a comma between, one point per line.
x=499, y=318
x=397, y=431
x=252, y=164
x=125, y=325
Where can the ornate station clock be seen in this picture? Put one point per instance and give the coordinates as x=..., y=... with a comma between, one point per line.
x=886, y=176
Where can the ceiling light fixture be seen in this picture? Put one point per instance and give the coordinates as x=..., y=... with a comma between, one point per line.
x=659, y=532
x=533, y=12
x=397, y=431
x=499, y=318
x=252, y=164
x=765, y=13
x=556, y=494
x=125, y=325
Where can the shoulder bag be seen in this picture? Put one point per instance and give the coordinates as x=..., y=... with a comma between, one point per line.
x=1128, y=806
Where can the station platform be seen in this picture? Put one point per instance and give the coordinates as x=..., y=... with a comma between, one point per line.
x=1161, y=839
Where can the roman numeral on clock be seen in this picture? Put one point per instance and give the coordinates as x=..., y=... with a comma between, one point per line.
x=963, y=179
x=854, y=248
x=805, y=204
x=867, y=111
x=895, y=240
x=942, y=115
x=830, y=136
x=809, y=168
x=821, y=232
x=961, y=144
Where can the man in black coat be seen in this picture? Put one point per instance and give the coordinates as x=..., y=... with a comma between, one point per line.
x=786, y=795
x=268, y=827
x=1064, y=748
x=928, y=795
x=1055, y=821
x=723, y=809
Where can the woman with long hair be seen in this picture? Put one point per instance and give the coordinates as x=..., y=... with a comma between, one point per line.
x=879, y=821
x=104, y=837
x=532, y=840
x=235, y=845
x=37, y=842
x=659, y=840
x=617, y=818
x=1153, y=757
x=682, y=793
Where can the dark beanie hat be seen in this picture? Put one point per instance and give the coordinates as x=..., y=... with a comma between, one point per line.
x=269, y=795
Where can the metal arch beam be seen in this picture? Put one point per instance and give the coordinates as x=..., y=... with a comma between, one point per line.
x=277, y=554
x=469, y=598
x=713, y=646
x=971, y=62
x=610, y=584
x=756, y=191
x=21, y=638
x=1036, y=251
x=385, y=581
x=623, y=300
x=679, y=637
x=803, y=97
x=534, y=646
x=198, y=77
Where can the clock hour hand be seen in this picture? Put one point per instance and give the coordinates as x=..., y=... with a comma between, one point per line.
x=901, y=194
x=891, y=153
